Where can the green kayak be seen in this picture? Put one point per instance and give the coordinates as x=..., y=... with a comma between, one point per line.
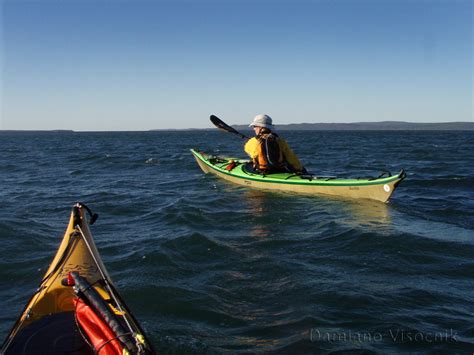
x=240, y=172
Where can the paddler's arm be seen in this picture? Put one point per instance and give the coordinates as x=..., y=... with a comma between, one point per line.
x=291, y=157
x=251, y=147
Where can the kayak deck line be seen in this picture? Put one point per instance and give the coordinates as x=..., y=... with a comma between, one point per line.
x=322, y=179
x=380, y=188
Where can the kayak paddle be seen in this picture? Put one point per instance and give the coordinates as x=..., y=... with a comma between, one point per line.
x=225, y=127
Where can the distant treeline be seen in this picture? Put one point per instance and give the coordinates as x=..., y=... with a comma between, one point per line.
x=375, y=126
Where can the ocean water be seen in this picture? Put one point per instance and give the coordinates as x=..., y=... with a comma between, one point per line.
x=210, y=267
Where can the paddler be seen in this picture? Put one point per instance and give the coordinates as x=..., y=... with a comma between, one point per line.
x=269, y=152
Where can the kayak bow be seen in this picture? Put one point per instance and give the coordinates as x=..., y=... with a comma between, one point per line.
x=240, y=172
x=76, y=308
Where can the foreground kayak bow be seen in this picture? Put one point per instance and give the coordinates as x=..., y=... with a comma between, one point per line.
x=240, y=172
x=76, y=309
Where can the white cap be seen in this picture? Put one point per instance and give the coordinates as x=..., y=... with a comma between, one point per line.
x=262, y=121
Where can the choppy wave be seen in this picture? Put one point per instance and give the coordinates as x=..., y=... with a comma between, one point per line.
x=208, y=267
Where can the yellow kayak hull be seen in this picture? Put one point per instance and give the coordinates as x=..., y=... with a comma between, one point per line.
x=76, y=253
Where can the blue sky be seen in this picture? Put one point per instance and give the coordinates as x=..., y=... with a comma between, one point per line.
x=139, y=65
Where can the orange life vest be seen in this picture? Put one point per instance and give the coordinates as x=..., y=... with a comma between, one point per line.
x=270, y=156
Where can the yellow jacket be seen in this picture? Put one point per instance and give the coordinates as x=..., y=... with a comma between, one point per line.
x=251, y=148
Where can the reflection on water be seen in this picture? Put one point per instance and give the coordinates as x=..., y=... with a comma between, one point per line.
x=368, y=213
x=258, y=204
x=355, y=213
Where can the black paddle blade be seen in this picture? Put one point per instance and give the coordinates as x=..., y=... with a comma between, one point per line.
x=224, y=126
x=217, y=121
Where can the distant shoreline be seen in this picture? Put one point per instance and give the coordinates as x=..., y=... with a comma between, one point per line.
x=356, y=126
x=373, y=126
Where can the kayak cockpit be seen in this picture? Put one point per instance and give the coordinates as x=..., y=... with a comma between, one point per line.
x=56, y=332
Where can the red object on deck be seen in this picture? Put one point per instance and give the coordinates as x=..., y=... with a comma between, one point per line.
x=70, y=280
x=97, y=330
x=231, y=166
